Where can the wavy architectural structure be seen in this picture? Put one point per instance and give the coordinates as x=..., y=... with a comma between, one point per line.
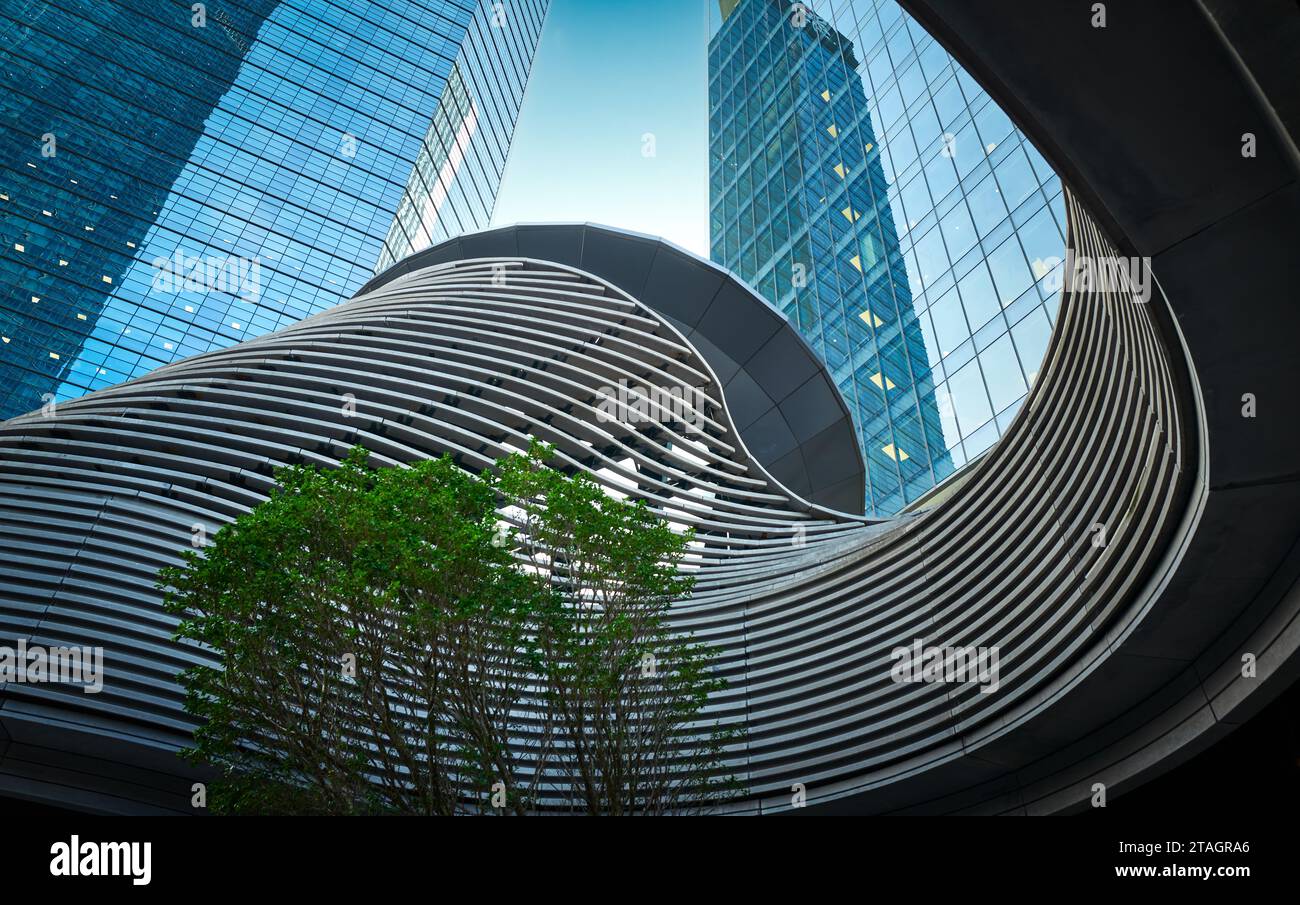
x=1129, y=547
x=472, y=356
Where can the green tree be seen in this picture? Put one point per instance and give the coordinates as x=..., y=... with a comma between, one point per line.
x=625, y=692
x=381, y=631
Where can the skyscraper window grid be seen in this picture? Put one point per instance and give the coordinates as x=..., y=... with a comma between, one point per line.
x=871, y=191
x=257, y=150
x=453, y=185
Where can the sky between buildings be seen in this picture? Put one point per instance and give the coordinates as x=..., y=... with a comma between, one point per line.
x=614, y=127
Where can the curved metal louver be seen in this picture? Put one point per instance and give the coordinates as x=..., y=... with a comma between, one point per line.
x=472, y=357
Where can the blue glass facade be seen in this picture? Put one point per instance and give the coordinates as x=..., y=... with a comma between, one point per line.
x=176, y=178
x=458, y=170
x=871, y=191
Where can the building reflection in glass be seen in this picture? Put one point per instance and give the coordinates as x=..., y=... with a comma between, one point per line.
x=212, y=176
x=890, y=210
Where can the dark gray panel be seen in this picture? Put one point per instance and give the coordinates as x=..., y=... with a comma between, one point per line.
x=737, y=325
x=494, y=243
x=746, y=400
x=450, y=250
x=829, y=459
x=1231, y=559
x=769, y=438
x=843, y=495
x=812, y=408
x=561, y=243
x=619, y=258
x=784, y=364
x=792, y=471
x=723, y=365
x=1232, y=361
x=681, y=288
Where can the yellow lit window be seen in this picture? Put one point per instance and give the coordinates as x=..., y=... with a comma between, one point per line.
x=834, y=131
x=880, y=380
x=894, y=453
x=826, y=95
x=839, y=170
x=871, y=318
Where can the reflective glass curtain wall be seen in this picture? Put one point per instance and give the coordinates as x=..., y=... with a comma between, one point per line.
x=174, y=181
x=454, y=184
x=863, y=183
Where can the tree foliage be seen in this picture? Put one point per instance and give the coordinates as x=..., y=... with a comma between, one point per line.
x=388, y=644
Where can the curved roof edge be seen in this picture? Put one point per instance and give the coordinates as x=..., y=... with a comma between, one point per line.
x=786, y=408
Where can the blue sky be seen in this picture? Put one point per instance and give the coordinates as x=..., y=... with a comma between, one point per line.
x=606, y=73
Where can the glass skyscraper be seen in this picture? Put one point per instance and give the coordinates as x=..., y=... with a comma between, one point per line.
x=863, y=183
x=459, y=166
x=178, y=177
